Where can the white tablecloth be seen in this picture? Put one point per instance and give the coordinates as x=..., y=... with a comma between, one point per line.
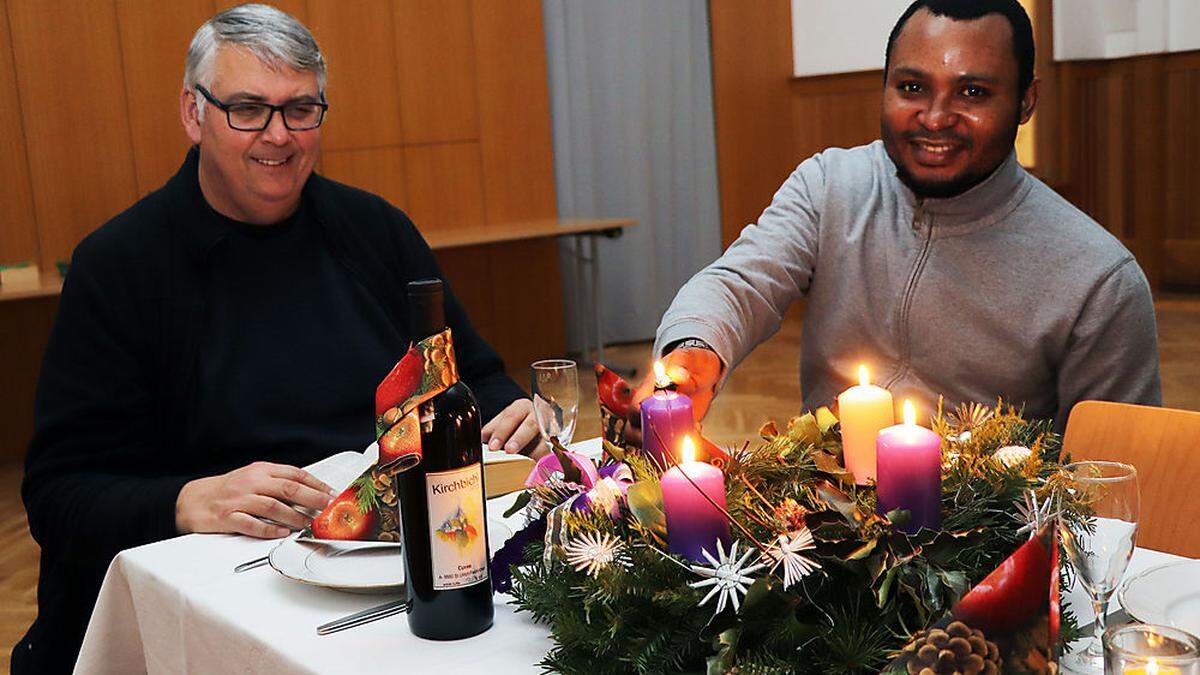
x=177, y=607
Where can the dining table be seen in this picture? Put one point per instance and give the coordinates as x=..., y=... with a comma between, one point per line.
x=177, y=606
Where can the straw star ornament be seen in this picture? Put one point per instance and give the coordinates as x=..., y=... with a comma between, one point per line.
x=727, y=575
x=591, y=552
x=785, y=551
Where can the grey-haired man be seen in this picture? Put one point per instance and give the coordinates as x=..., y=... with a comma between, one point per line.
x=223, y=331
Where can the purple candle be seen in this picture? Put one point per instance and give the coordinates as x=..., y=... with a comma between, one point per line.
x=666, y=419
x=693, y=523
x=909, y=468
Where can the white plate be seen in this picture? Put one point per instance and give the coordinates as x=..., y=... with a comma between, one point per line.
x=1167, y=595
x=375, y=570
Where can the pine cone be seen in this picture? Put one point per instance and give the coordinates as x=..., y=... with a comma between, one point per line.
x=957, y=650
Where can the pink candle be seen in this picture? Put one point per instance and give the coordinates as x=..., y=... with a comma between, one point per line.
x=693, y=523
x=909, y=459
x=666, y=419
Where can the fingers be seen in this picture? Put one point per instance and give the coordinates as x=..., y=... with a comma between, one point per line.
x=300, y=476
x=293, y=492
x=525, y=435
x=273, y=509
x=241, y=523
x=504, y=424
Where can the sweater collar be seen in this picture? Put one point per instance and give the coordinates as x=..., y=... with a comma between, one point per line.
x=982, y=205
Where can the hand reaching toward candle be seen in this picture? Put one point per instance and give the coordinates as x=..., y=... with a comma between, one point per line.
x=695, y=373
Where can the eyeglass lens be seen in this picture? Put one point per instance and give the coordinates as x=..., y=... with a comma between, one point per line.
x=256, y=117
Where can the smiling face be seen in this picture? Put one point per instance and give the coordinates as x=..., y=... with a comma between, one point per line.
x=252, y=176
x=951, y=102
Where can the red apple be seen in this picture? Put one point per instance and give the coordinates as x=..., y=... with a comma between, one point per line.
x=343, y=520
x=614, y=391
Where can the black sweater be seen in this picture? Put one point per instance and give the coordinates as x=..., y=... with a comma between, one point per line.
x=118, y=400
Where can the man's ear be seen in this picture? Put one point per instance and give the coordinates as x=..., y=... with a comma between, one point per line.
x=1029, y=101
x=189, y=114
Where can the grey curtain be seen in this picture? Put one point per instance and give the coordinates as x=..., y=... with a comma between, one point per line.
x=631, y=100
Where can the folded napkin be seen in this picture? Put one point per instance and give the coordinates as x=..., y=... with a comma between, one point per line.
x=366, y=510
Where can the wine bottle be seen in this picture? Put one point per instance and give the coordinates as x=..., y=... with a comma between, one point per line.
x=442, y=506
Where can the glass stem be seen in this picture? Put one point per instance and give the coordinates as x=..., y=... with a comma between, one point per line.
x=1100, y=606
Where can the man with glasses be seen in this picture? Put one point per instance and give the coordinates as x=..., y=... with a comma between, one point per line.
x=225, y=330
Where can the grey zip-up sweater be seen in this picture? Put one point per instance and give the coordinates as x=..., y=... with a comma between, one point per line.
x=1006, y=290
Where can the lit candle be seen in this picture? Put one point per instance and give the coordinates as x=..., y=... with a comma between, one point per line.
x=666, y=419
x=910, y=472
x=693, y=523
x=1152, y=668
x=864, y=410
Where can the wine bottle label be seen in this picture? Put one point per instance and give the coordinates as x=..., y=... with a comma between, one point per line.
x=457, y=539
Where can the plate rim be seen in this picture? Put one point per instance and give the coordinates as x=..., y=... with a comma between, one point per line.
x=381, y=588
x=1121, y=593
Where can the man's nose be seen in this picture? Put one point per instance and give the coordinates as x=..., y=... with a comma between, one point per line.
x=276, y=131
x=939, y=114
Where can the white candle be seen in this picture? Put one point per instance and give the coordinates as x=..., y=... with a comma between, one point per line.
x=864, y=410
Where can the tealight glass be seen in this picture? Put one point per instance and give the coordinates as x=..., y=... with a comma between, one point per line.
x=1143, y=649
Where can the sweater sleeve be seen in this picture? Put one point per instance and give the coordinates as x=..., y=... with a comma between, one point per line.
x=478, y=363
x=740, y=299
x=89, y=488
x=1113, y=349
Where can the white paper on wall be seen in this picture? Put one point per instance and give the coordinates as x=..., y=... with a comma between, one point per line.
x=1111, y=29
x=836, y=36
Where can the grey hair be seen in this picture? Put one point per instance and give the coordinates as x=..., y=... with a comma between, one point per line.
x=274, y=36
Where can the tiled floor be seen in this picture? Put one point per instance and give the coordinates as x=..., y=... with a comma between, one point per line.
x=766, y=386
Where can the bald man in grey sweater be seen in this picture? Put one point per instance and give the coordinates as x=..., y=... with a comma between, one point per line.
x=932, y=256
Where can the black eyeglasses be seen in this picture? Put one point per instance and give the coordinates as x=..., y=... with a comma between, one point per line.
x=297, y=115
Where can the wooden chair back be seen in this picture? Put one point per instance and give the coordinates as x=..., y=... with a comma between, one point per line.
x=1164, y=445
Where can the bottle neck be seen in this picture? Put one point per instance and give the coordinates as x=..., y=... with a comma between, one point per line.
x=428, y=316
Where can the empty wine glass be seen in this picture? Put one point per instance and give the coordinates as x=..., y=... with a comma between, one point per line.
x=1100, y=544
x=555, y=398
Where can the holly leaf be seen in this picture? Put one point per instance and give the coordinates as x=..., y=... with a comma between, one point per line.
x=521, y=502
x=645, y=502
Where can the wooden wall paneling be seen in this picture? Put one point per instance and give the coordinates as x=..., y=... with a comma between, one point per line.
x=1144, y=174
x=72, y=89
x=469, y=273
x=435, y=47
x=1181, y=245
x=514, y=111
x=154, y=42
x=529, y=322
x=518, y=174
x=18, y=233
x=751, y=104
x=832, y=111
x=24, y=329
x=445, y=186
x=359, y=46
x=377, y=170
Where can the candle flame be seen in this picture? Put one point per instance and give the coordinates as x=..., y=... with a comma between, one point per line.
x=687, y=453
x=863, y=378
x=1152, y=667
x=910, y=413
x=661, y=380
